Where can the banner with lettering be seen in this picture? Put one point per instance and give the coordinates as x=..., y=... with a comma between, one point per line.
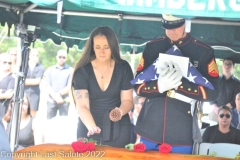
x=229, y=9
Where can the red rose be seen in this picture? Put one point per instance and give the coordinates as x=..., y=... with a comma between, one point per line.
x=78, y=146
x=140, y=147
x=165, y=148
x=90, y=146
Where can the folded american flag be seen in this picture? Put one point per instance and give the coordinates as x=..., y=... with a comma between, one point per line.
x=150, y=73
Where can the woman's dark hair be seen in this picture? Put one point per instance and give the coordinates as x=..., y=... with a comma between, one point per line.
x=29, y=109
x=225, y=108
x=89, y=54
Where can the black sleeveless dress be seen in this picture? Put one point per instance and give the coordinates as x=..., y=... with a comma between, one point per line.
x=26, y=137
x=115, y=134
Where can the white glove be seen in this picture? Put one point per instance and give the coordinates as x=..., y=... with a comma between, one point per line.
x=169, y=78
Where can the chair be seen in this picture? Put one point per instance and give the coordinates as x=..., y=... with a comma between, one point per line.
x=224, y=150
x=203, y=148
x=202, y=131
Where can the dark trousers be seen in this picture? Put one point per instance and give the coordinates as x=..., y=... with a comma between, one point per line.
x=133, y=135
x=52, y=109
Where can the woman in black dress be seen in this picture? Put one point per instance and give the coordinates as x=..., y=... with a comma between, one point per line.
x=102, y=90
x=26, y=130
x=223, y=132
x=6, y=82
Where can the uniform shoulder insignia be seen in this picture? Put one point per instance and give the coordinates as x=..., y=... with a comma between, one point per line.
x=159, y=39
x=212, y=68
x=141, y=64
x=200, y=43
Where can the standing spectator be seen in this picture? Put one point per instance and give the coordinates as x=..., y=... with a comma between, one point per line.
x=223, y=132
x=34, y=76
x=236, y=113
x=229, y=87
x=58, y=81
x=139, y=101
x=137, y=108
x=166, y=114
x=13, y=53
x=6, y=82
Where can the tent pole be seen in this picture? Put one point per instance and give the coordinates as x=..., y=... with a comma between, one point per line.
x=30, y=7
x=7, y=6
x=132, y=17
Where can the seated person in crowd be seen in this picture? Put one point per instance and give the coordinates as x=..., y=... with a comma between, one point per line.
x=236, y=113
x=26, y=137
x=223, y=132
x=5, y=147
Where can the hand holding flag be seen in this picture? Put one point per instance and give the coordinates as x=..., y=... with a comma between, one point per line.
x=150, y=73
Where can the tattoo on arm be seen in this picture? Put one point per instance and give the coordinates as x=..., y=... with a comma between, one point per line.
x=86, y=95
x=81, y=94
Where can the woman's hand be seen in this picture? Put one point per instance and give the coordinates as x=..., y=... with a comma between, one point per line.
x=115, y=114
x=93, y=130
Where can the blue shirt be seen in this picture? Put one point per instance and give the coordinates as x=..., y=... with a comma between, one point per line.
x=58, y=78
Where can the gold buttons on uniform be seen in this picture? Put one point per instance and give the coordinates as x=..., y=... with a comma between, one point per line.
x=145, y=88
x=148, y=88
x=180, y=42
x=181, y=86
x=195, y=90
x=154, y=87
x=188, y=112
x=189, y=89
x=148, y=100
x=195, y=40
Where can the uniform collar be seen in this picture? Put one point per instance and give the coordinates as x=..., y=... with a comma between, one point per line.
x=181, y=41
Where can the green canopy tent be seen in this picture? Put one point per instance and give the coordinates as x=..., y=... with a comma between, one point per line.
x=216, y=22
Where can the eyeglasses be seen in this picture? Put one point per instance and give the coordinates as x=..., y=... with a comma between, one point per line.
x=5, y=62
x=61, y=57
x=226, y=115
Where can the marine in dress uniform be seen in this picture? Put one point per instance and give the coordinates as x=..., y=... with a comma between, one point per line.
x=166, y=118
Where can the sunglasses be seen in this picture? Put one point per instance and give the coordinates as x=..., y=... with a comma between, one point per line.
x=226, y=115
x=61, y=57
x=5, y=62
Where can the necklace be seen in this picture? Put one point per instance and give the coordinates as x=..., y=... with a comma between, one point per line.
x=103, y=73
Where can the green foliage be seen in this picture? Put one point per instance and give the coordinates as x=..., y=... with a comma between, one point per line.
x=7, y=42
x=47, y=50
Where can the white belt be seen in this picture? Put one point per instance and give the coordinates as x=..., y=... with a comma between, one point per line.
x=173, y=94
